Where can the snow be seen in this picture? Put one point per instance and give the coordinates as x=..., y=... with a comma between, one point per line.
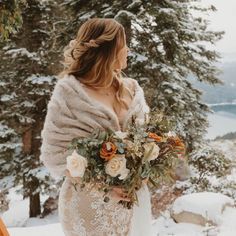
x=17, y=207
x=228, y=147
x=18, y=223
x=23, y=52
x=136, y=26
x=207, y=204
x=27, y=104
x=50, y=229
x=169, y=11
x=5, y=131
x=87, y=15
x=124, y=12
x=228, y=227
x=140, y=58
x=6, y=97
x=9, y=145
x=173, y=86
x=163, y=226
x=7, y=182
x=17, y=216
x=37, y=80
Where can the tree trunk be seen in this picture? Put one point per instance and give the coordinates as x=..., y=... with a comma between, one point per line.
x=34, y=207
x=30, y=146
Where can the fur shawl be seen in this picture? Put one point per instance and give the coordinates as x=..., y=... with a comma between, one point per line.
x=71, y=113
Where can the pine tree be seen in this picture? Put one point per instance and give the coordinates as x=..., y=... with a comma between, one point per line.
x=10, y=145
x=173, y=51
x=27, y=80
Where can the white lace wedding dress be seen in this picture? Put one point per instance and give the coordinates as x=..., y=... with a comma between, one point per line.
x=141, y=223
x=84, y=213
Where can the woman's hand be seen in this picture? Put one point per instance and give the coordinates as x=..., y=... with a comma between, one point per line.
x=118, y=194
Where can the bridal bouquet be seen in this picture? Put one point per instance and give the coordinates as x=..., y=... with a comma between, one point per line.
x=147, y=150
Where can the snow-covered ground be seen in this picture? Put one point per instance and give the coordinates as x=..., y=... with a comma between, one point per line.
x=19, y=224
x=49, y=229
x=163, y=226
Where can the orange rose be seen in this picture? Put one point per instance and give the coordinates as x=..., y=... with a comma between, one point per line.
x=155, y=137
x=108, y=150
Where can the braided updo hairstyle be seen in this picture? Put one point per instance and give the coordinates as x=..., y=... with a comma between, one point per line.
x=91, y=56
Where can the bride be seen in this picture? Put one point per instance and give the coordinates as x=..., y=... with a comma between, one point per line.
x=92, y=93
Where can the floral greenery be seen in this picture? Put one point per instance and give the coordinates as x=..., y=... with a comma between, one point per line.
x=150, y=150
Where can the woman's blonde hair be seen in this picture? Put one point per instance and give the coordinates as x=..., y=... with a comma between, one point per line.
x=91, y=56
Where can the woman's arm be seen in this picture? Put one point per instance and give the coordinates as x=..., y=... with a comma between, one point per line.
x=60, y=127
x=53, y=150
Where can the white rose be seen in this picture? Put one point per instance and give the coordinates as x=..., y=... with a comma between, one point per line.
x=139, y=121
x=171, y=134
x=121, y=134
x=76, y=164
x=117, y=166
x=151, y=151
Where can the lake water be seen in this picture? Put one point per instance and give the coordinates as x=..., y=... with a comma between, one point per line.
x=222, y=121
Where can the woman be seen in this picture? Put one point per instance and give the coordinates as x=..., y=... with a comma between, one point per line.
x=91, y=93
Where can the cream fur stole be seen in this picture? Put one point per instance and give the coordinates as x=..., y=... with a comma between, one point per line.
x=72, y=113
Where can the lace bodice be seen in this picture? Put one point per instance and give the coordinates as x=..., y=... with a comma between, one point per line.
x=84, y=213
